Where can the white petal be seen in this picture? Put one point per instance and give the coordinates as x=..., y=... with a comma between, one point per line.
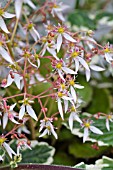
x=31, y=112
x=44, y=133
x=60, y=74
x=12, y=107
x=65, y=105
x=14, y=121
x=22, y=111
x=17, y=80
x=9, y=81
x=86, y=134
x=38, y=62
x=96, y=68
x=66, y=98
x=76, y=117
x=68, y=37
x=107, y=125
x=71, y=121
x=8, y=15
x=83, y=62
x=5, y=120
x=73, y=93
x=76, y=64
x=32, y=63
x=108, y=57
x=29, y=2
x=3, y=26
x=18, y=7
x=60, y=16
x=88, y=75
x=53, y=131
x=78, y=86
x=96, y=130
x=59, y=42
x=60, y=109
x=8, y=149
x=53, y=52
x=68, y=70
x=34, y=34
x=5, y=55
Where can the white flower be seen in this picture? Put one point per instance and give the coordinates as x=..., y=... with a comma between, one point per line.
x=109, y=118
x=2, y=23
x=26, y=107
x=49, y=129
x=61, y=68
x=14, y=77
x=57, y=10
x=63, y=96
x=87, y=126
x=9, y=114
x=34, y=33
x=74, y=116
x=36, y=57
x=23, y=129
x=62, y=33
x=6, y=146
x=18, y=6
x=22, y=144
x=108, y=50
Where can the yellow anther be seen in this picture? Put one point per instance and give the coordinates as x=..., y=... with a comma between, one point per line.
x=74, y=54
x=87, y=125
x=106, y=50
x=63, y=86
x=48, y=127
x=72, y=82
x=1, y=12
x=73, y=109
x=59, y=65
x=2, y=140
x=60, y=94
x=61, y=30
x=30, y=26
x=109, y=116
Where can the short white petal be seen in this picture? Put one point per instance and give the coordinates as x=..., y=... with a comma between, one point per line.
x=76, y=117
x=22, y=111
x=68, y=70
x=96, y=130
x=17, y=80
x=32, y=63
x=78, y=86
x=107, y=125
x=60, y=16
x=8, y=15
x=31, y=112
x=53, y=52
x=76, y=65
x=3, y=26
x=68, y=37
x=14, y=121
x=53, y=131
x=5, y=120
x=38, y=62
x=73, y=93
x=96, y=68
x=44, y=133
x=59, y=42
x=5, y=55
x=86, y=134
x=60, y=108
x=18, y=7
x=12, y=106
x=60, y=74
x=34, y=34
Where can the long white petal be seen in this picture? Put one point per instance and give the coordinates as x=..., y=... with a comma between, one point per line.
x=5, y=120
x=96, y=130
x=8, y=15
x=9, y=81
x=34, y=34
x=88, y=75
x=5, y=55
x=17, y=80
x=8, y=149
x=22, y=111
x=18, y=7
x=53, y=52
x=60, y=108
x=71, y=121
x=60, y=74
x=86, y=134
x=59, y=42
x=3, y=26
x=44, y=133
x=68, y=70
x=107, y=125
x=68, y=37
x=29, y=2
x=83, y=62
x=12, y=106
x=76, y=117
x=65, y=105
x=78, y=86
x=60, y=16
x=32, y=63
x=96, y=68
x=53, y=131
x=31, y=112
x=73, y=93
x=76, y=65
